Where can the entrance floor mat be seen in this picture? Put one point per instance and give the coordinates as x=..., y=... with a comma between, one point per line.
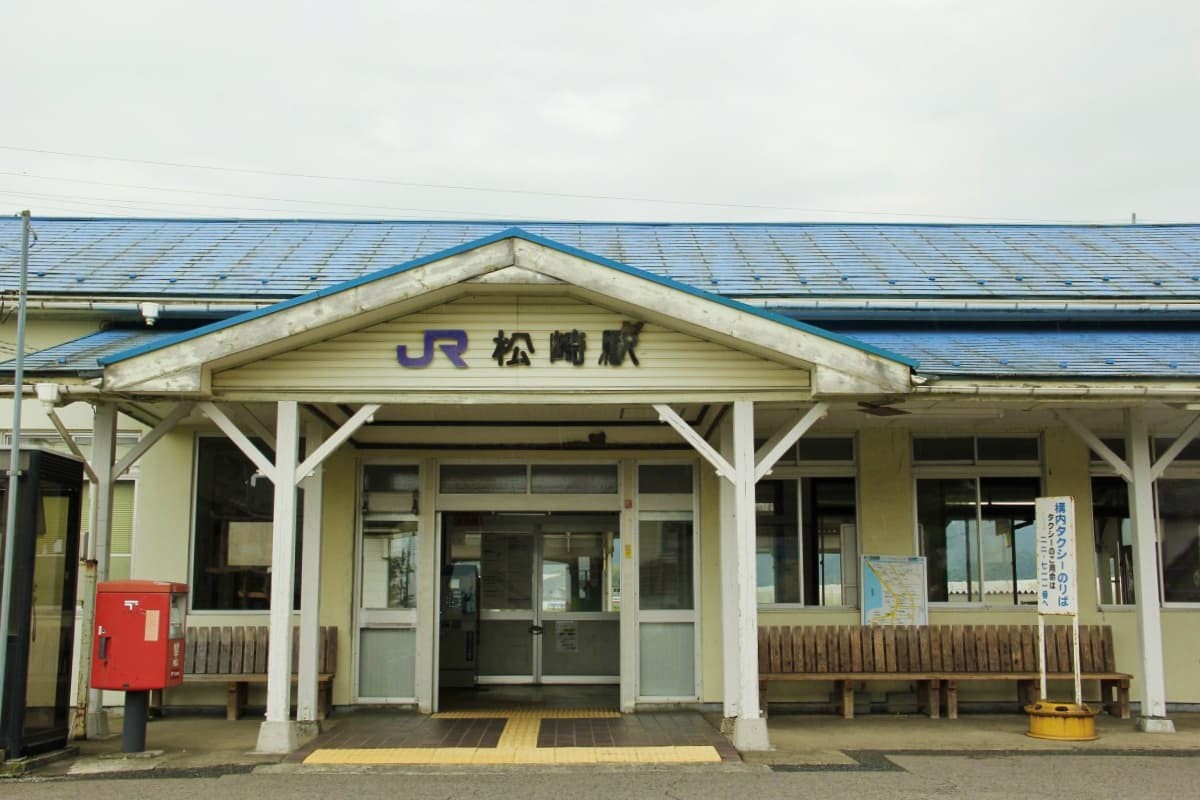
x=520, y=736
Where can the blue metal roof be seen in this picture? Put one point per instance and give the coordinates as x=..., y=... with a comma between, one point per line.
x=507, y=233
x=82, y=355
x=276, y=259
x=1043, y=353
x=966, y=352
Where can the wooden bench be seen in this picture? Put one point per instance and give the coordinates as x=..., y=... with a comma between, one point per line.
x=236, y=655
x=936, y=658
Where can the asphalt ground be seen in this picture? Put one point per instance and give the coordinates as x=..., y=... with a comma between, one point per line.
x=906, y=752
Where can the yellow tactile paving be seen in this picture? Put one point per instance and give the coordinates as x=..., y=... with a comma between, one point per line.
x=518, y=745
x=411, y=756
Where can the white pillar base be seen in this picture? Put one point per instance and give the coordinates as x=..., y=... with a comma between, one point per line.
x=1155, y=725
x=277, y=737
x=307, y=729
x=750, y=733
x=96, y=724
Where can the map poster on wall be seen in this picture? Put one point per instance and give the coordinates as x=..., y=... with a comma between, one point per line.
x=893, y=590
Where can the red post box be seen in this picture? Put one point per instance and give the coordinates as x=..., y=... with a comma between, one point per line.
x=139, y=641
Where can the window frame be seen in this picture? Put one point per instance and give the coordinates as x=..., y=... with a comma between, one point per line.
x=1179, y=469
x=976, y=471
x=818, y=470
x=192, y=531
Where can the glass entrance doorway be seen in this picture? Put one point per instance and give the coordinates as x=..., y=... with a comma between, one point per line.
x=530, y=598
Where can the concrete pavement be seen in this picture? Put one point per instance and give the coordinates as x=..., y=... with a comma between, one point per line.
x=205, y=745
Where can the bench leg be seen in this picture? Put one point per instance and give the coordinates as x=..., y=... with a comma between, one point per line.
x=235, y=699
x=950, y=689
x=845, y=689
x=1114, y=695
x=933, y=693
x=1026, y=694
x=325, y=699
x=762, y=698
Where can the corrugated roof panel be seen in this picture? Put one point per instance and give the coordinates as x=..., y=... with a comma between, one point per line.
x=80, y=355
x=1023, y=352
x=272, y=258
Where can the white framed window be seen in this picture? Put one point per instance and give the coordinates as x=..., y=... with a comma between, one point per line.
x=975, y=517
x=807, y=541
x=232, y=530
x=1177, y=522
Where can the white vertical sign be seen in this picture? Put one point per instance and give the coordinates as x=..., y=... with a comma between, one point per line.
x=1058, y=589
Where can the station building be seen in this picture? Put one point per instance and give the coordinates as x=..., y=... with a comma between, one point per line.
x=594, y=454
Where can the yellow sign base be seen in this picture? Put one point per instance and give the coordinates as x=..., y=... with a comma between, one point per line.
x=1064, y=722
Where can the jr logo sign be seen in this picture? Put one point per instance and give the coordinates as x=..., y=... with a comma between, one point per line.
x=451, y=342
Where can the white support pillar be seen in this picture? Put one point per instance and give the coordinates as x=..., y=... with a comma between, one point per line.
x=1145, y=567
x=749, y=727
x=729, y=585
x=104, y=448
x=278, y=732
x=310, y=588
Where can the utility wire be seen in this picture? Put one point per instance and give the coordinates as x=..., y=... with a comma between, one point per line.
x=322, y=203
x=502, y=190
x=109, y=203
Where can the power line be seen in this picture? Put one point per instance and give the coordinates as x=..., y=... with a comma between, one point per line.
x=322, y=203
x=503, y=190
x=110, y=203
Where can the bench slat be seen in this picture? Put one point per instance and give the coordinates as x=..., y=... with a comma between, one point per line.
x=237, y=650
x=1004, y=643
x=262, y=638
x=225, y=650
x=201, y=650
x=189, y=653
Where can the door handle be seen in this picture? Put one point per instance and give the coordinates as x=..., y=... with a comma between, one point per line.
x=536, y=630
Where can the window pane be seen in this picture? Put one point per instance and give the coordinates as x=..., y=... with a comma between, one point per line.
x=778, y=542
x=829, y=518
x=386, y=663
x=941, y=448
x=665, y=563
x=575, y=478
x=1114, y=547
x=575, y=564
x=840, y=448
x=389, y=564
x=946, y=520
x=1116, y=445
x=1008, y=448
x=506, y=568
x=1190, y=452
x=667, y=659
x=1179, y=520
x=1009, y=538
x=389, y=478
x=484, y=479
x=232, y=545
x=665, y=479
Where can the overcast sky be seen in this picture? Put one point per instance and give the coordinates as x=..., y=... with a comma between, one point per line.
x=652, y=110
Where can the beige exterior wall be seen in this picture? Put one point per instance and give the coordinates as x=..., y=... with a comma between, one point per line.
x=885, y=487
x=887, y=521
x=337, y=562
x=886, y=514
x=708, y=631
x=366, y=359
x=40, y=334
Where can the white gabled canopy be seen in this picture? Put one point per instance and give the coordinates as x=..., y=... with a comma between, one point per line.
x=775, y=356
